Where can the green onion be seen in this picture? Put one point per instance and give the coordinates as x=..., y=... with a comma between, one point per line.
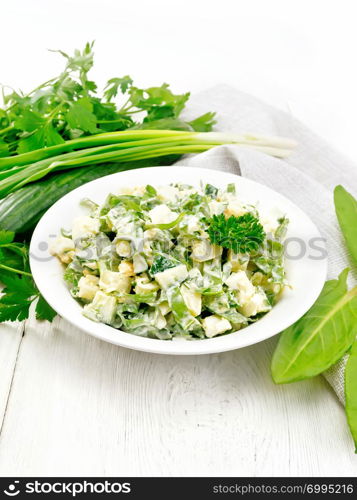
x=17, y=171
x=169, y=225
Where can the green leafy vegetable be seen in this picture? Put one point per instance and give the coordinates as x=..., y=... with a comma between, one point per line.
x=270, y=260
x=80, y=116
x=346, y=211
x=203, y=123
x=44, y=310
x=151, y=191
x=161, y=263
x=72, y=276
x=321, y=337
x=242, y=234
x=68, y=107
x=168, y=225
x=114, y=84
x=211, y=190
x=19, y=290
x=351, y=391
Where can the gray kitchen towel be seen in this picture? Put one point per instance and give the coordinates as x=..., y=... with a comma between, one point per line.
x=307, y=177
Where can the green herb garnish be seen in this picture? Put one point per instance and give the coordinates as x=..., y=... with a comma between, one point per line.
x=161, y=263
x=211, y=191
x=243, y=234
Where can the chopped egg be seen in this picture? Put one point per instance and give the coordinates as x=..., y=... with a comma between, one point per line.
x=102, y=308
x=202, y=250
x=192, y=299
x=256, y=304
x=161, y=214
x=127, y=268
x=215, y=325
x=88, y=287
x=84, y=227
x=111, y=281
x=172, y=275
x=240, y=282
x=123, y=248
x=167, y=193
x=63, y=248
x=235, y=208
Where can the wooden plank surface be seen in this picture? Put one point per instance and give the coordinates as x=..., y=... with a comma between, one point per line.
x=79, y=406
x=10, y=340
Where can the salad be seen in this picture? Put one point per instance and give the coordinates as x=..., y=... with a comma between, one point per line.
x=175, y=260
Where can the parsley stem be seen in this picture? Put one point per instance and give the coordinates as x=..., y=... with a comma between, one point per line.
x=133, y=112
x=18, y=246
x=7, y=129
x=119, y=120
x=123, y=109
x=17, y=271
x=54, y=111
x=39, y=87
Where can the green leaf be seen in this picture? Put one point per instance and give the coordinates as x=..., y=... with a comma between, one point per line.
x=29, y=121
x=113, y=85
x=52, y=137
x=346, y=211
x=242, y=234
x=351, y=392
x=80, y=61
x=211, y=191
x=164, y=124
x=130, y=202
x=44, y=310
x=161, y=263
x=32, y=142
x=204, y=123
x=4, y=148
x=168, y=225
x=151, y=191
x=14, y=312
x=147, y=99
x=80, y=116
x=159, y=113
x=44, y=137
x=321, y=337
x=6, y=237
x=72, y=276
x=18, y=294
x=20, y=285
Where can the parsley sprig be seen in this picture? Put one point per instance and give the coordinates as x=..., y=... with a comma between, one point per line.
x=69, y=106
x=19, y=290
x=242, y=234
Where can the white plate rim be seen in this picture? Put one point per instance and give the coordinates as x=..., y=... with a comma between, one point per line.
x=181, y=347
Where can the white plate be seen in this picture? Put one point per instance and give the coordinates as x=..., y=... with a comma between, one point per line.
x=305, y=274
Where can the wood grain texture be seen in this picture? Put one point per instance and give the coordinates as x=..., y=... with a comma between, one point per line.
x=79, y=406
x=10, y=340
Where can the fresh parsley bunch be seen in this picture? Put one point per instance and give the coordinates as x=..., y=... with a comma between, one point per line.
x=69, y=106
x=19, y=290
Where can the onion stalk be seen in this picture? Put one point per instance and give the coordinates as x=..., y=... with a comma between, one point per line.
x=134, y=145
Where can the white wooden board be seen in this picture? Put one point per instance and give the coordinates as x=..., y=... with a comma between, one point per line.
x=79, y=406
x=10, y=340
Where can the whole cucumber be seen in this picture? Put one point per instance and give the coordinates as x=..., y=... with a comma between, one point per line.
x=21, y=210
